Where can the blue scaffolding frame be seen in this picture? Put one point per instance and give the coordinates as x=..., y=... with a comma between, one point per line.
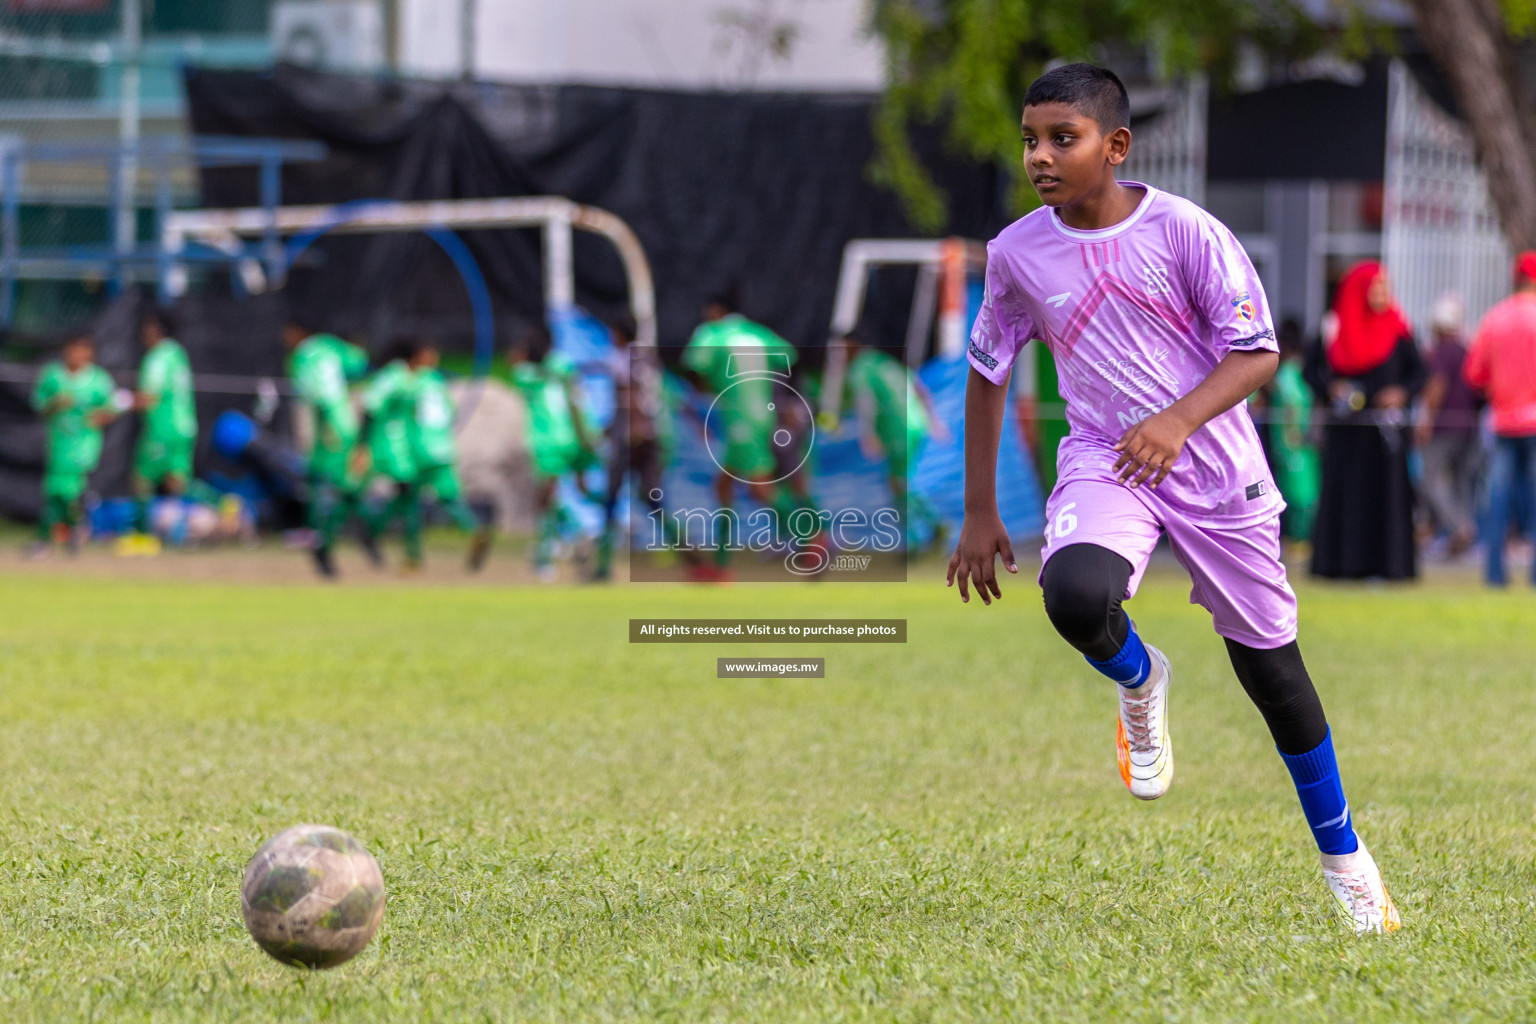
x=160, y=156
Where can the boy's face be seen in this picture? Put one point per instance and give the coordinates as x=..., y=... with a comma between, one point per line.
x=78, y=354
x=425, y=359
x=151, y=334
x=293, y=336
x=517, y=355
x=1066, y=155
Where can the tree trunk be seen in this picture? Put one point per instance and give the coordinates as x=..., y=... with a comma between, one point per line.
x=1469, y=41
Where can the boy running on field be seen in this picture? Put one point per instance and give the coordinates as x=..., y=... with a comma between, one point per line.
x=1160, y=330
x=321, y=366
x=163, y=459
x=75, y=396
x=558, y=439
x=437, y=451
x=743, y=365
x=389, y=402
x=896, y=417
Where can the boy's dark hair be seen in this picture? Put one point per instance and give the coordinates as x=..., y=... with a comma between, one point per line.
x=80, y=338
x=727, y=298
x=535, y=341
x=623, y=324
x=401, y=350
x=163, y=319
x=1087, y=88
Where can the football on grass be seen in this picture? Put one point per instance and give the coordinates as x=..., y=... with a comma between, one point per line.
x=312, y=896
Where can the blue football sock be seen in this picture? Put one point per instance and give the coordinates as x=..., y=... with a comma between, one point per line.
x=1131, y=667
x=1316, y=775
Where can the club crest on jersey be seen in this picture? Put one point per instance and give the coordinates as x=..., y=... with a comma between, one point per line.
x=1243, y=303
x=1156, y=279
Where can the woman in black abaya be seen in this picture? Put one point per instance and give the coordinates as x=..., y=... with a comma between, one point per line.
x=1367, y=375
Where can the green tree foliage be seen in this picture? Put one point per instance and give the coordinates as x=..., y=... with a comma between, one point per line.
x=968, y=62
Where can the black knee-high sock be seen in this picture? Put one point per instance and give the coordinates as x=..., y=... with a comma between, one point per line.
x=1279, y=686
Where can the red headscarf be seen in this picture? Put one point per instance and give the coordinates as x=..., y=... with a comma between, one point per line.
x=1365, y=338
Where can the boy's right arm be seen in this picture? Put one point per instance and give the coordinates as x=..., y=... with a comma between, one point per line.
x=982, y=535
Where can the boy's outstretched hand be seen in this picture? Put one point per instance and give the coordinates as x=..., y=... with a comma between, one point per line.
x=1150, y=448
x=982, y=539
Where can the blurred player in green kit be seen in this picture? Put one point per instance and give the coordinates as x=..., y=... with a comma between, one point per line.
x=163, y=459
x=437, y=451
x=389, y=403
x=76, y=397
x=559, y=440
x=739, y=362
x=896, y=419
x=321, y=367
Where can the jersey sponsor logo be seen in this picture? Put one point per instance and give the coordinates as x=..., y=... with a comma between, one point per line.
x=1059, y=300
x=982, y=357
x=1156, y=279
x=1130, y=417
x=1257, y=490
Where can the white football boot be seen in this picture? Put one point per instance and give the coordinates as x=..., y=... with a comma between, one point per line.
x=1142, y=744
x=1356, y=884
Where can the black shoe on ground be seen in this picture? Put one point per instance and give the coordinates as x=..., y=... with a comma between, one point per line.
x=371, y=549
x=325, y=565
x=479, y=549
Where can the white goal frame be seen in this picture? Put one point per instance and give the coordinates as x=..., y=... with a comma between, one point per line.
x=229, y=229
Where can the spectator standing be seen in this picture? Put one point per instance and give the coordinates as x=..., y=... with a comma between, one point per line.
x=1447, y=432
x=1293, y=453
x=1501, y=363
x=1368, y=370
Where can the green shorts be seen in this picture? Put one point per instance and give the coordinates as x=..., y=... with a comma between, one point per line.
x=747, y=451
x=559, y=461
x=62, y=485
x=159, y=458
x=333, y=466
x=902, y=451
x=442, y=481
x=402, y=469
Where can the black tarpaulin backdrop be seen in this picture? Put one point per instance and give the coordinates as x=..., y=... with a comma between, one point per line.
x=758, y=190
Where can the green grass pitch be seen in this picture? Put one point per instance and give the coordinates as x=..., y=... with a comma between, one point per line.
x=573, y=828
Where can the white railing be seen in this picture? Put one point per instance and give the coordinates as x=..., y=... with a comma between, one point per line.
x=1440, y=230
x=1168, y=152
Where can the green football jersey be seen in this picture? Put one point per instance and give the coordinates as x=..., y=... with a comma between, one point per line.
x=390, y=400
x=74, y=443
x=320, y=369
x=167, y=375
x=732, y=354
x=545, y=388
x=884, y=390
x=434, y=441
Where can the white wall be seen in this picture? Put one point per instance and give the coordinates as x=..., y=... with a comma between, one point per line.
x=665, y=43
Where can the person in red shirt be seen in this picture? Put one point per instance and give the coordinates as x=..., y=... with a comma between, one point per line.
x=1501, y=363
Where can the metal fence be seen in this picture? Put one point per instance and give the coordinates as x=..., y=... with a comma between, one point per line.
x=1441, y=231
x=1169, y=149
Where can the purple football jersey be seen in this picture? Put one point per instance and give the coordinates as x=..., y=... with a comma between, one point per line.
x=1136, y=315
